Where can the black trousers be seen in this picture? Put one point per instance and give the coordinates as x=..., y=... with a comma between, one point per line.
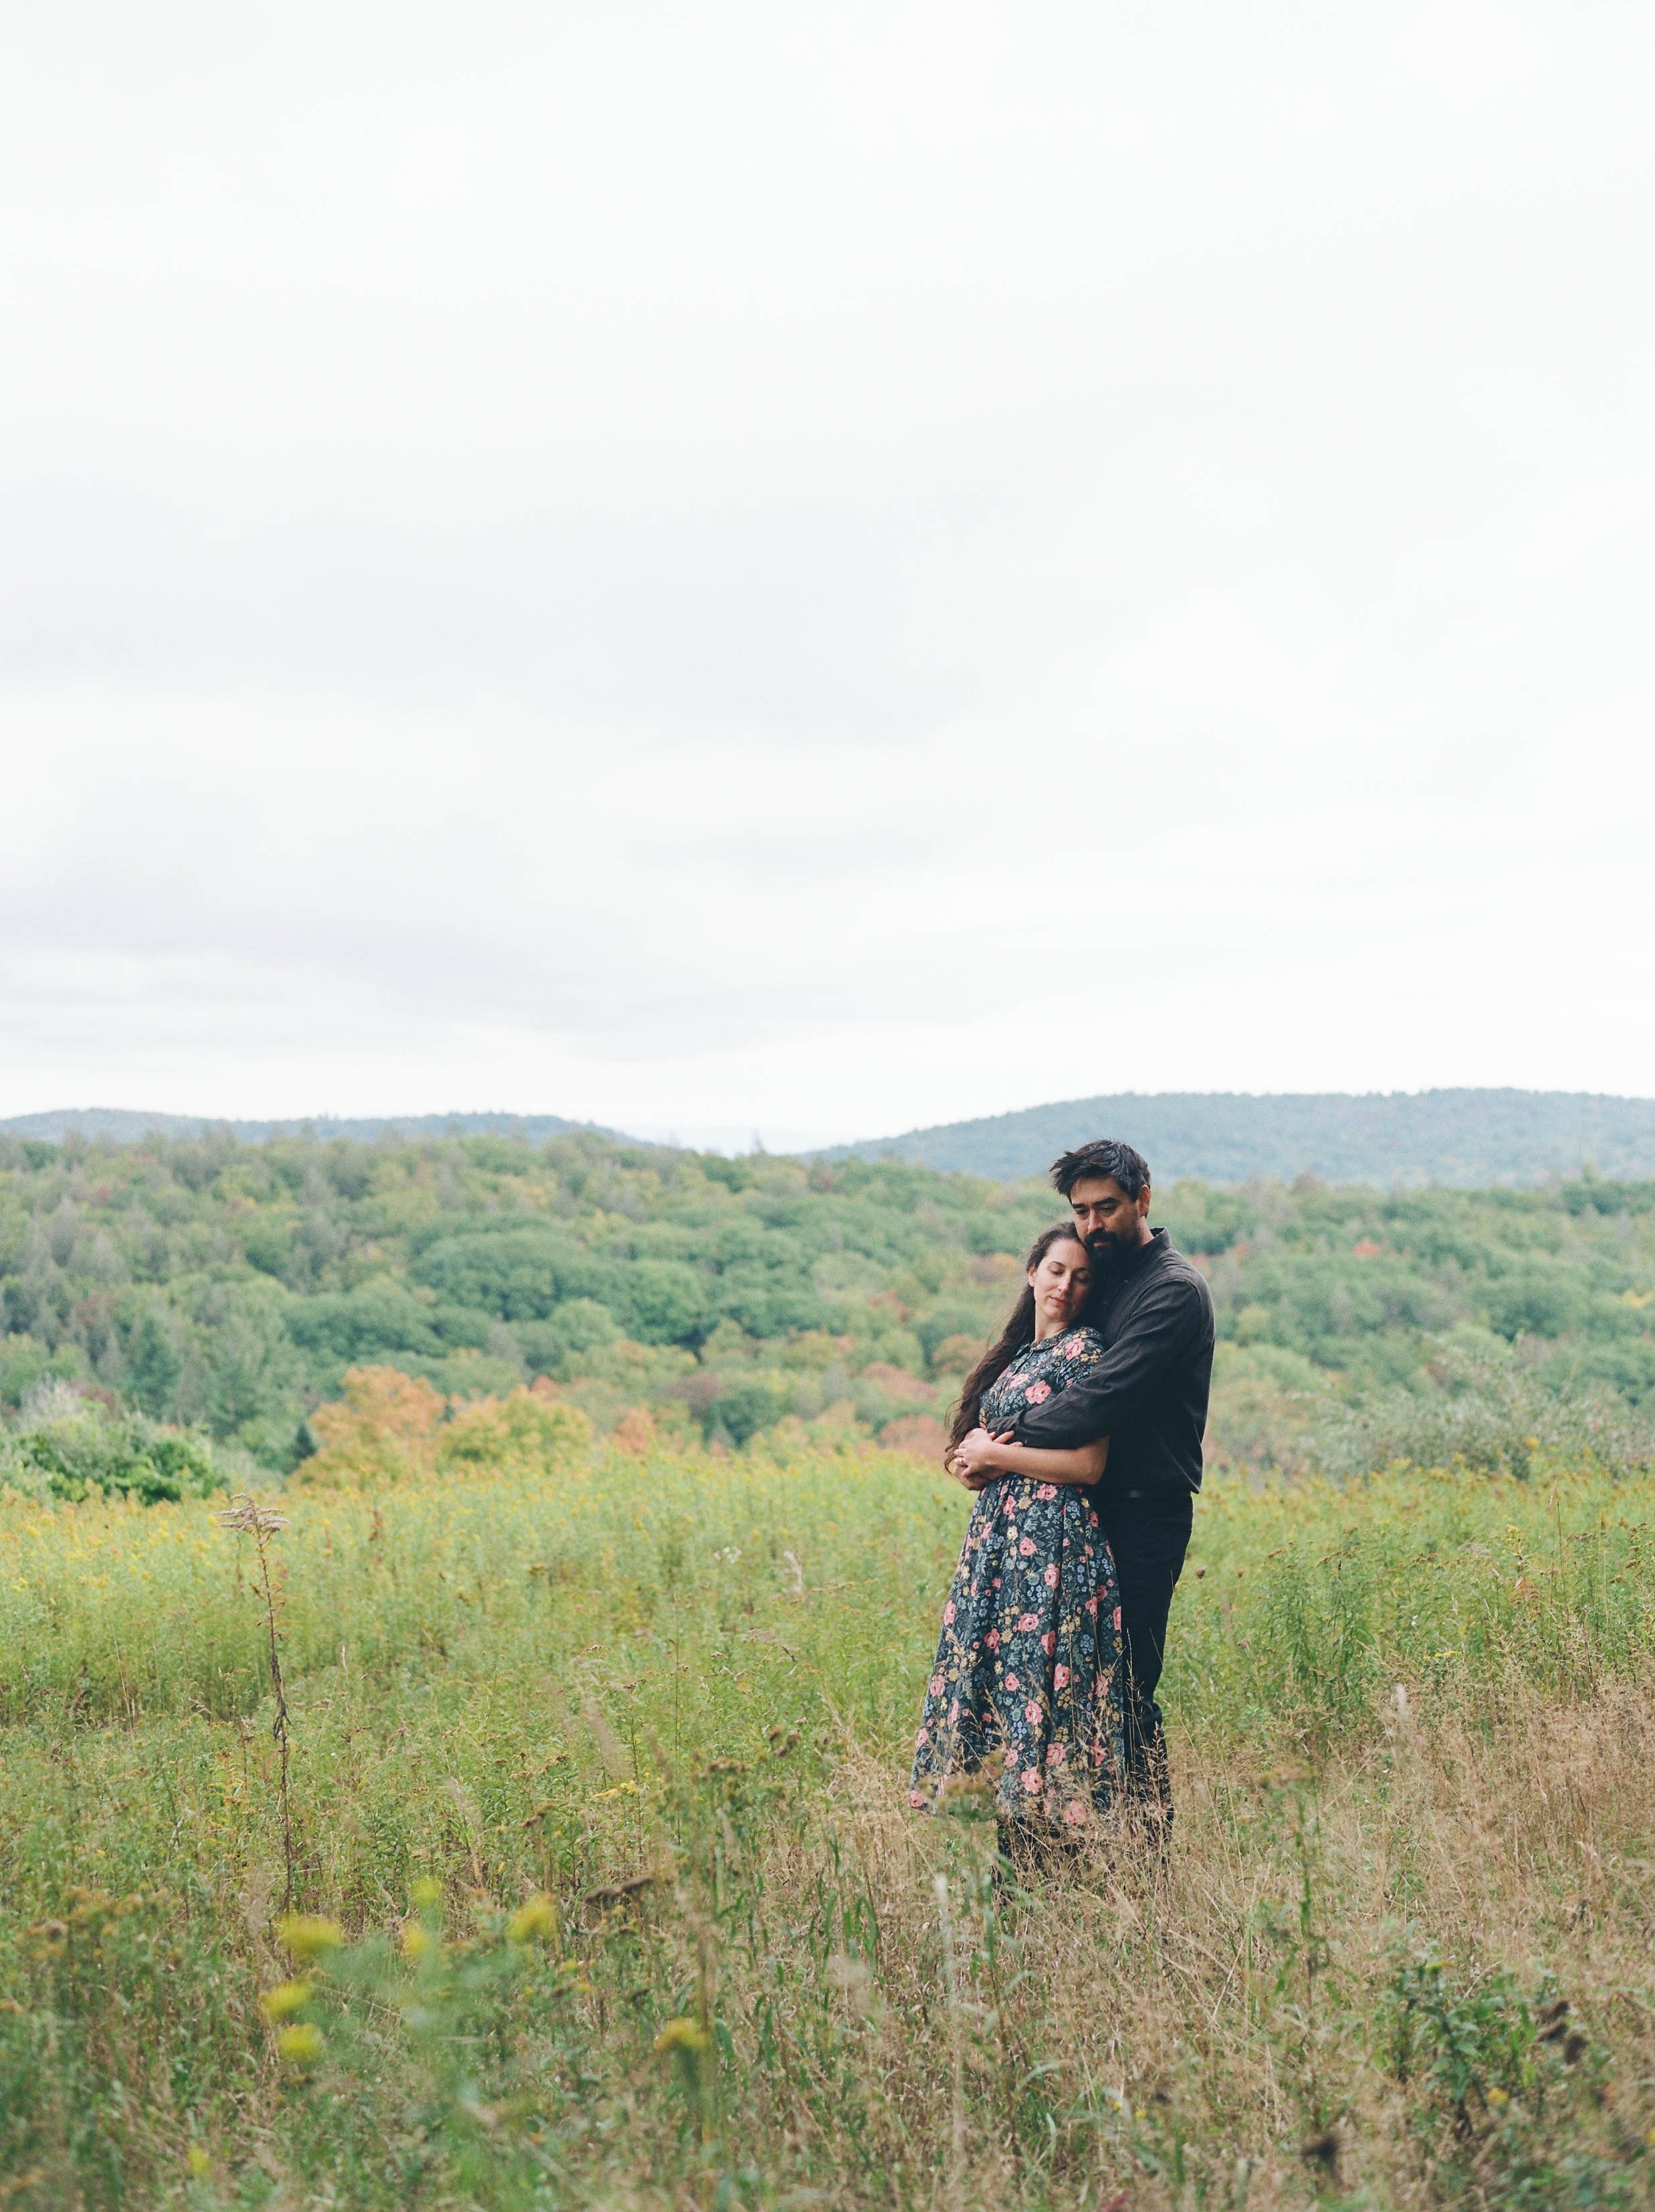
x=1148, y=1532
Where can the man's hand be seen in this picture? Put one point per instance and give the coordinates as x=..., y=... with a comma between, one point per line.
x=975, y=1462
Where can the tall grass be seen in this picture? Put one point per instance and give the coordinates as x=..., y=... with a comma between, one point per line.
x=671, y=1699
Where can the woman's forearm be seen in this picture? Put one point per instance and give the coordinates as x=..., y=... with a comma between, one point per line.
x=1083, y=1463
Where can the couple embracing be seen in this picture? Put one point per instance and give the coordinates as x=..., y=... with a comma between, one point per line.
x=1079, y=1432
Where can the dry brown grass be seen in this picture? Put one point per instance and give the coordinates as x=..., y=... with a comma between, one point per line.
x=1226, y=2018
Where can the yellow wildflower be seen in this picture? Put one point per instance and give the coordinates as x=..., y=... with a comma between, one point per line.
x=307, y=1937
x=535, y=1920
x=684, y=2034
x=284, y=2000
x=425, y=1892
x=416, y=1941
x=197, y=2160
x=300, y=2045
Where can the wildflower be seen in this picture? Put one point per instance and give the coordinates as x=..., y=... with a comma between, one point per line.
x=306, y=1937
x=425, y=1893
x=686, y=2035
x=417, y=1942
x=300, y=2045
x=284, y=2000
x=197, y=2160
x=535, y=1920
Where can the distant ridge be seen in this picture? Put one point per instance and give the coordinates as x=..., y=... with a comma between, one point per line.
x=124, y=1126
x=1466, y=1139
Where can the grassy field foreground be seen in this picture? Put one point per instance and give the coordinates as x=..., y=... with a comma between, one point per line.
x=607, y=1894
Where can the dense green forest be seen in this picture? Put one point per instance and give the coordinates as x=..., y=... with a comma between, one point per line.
x=229, y=1287
x=1466, y=1139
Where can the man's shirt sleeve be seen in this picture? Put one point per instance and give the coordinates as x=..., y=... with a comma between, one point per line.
x=1134, y=1368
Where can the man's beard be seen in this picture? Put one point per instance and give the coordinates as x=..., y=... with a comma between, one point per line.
x=1103, y=1245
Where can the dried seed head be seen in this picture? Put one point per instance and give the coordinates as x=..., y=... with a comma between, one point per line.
x=246, y=1516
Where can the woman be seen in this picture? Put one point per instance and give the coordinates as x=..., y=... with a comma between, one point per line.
x=1027, y=1667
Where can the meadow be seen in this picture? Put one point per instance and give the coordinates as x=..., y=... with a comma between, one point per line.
x=596, y=1884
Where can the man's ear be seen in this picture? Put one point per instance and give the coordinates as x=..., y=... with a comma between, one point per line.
x=1144, y=1201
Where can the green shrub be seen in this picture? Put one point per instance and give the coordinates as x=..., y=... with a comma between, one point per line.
x=69, y=1448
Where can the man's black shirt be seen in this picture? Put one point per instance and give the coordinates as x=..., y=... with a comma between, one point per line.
x=1148, y=1393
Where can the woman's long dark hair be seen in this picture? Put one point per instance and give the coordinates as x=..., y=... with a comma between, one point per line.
x=1017, y=1331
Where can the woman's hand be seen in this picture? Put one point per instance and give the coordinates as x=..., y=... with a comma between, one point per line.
x=977, y=1458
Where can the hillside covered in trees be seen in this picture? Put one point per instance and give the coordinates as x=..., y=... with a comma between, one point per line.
x=1467, y=1139
x=230, y=1287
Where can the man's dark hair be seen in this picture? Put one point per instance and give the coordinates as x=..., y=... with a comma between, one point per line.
x=1105, y=1155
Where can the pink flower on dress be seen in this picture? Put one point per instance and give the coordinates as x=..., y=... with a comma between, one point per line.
x=1025, y=1622
x=1037, y=1391
x=936, y=1685
x=1009, y=1507
x=1117, y=1616
x=1049, y=1642
x=1091, y=1605
x=1025, y=1548
x=948, y=1614
x=1060, y=1678
x=1075, y=1812
x=1054, y=1754
x=922, y=1739
x=1046, y=1492
x=1012, y=1682
x=1032, y=1780
x=953, y=1712
x=1051, y=1576
x=917, y=1799
x=1093, y=1518
x=1032, y=1712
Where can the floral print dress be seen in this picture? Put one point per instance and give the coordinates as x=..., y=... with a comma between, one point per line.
x=1027, y=1680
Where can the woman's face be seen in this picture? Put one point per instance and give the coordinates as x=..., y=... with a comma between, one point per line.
x=1060, y=1279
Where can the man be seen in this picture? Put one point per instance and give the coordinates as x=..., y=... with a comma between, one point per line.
x=1148, y=1396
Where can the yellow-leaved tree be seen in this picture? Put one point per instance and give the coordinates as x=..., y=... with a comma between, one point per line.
x=389, y=1427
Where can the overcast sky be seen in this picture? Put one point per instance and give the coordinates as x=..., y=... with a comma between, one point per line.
x=821, y=568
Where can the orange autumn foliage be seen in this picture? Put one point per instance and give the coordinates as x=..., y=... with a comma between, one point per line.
x=389, y=1427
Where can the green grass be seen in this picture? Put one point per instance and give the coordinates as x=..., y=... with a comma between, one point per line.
x=706, y=1670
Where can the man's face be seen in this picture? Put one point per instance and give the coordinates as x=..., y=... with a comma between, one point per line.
x=1110, y=1223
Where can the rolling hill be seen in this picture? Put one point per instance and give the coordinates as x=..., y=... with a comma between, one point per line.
x=1465, y=1140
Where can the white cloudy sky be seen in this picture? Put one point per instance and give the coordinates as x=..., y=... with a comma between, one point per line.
x=728, y=566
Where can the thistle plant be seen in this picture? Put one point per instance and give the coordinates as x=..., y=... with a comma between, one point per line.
x=246, y=1516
